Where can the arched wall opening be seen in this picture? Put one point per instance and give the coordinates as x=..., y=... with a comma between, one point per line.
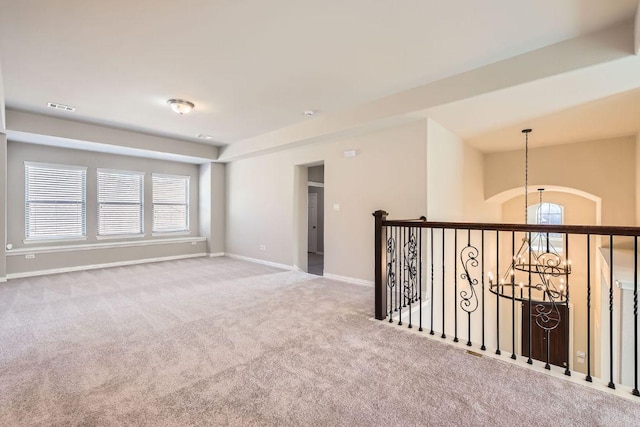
x=580, y=208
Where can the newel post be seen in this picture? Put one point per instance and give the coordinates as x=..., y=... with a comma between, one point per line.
x=380, y=264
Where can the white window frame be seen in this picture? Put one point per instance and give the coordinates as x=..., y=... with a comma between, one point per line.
x=99, y=203
x=187, y=183
x=555, y=240
x=28, y=201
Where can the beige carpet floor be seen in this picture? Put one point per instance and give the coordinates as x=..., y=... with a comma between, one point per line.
x=226, y=342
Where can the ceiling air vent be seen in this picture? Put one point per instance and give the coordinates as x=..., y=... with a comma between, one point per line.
x=62, y=107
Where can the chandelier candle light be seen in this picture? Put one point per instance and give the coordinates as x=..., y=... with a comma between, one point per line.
x=537, y=275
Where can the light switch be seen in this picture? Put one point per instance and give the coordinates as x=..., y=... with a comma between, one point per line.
x=336, y=206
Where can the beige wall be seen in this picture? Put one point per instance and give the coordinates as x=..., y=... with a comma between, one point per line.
x=218, y=212
x=3, y=204
x=455, y=193
x=36, y=125
x=211, y=206
x=454, y=178
x=605, y=168
x=3, y=121
x=388, y=172
x=396, y=169
x=637, y=181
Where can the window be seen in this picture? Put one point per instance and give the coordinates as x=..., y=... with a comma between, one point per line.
x=120, y=203
x=551, y=214
x=55, y=201
x=170, y=203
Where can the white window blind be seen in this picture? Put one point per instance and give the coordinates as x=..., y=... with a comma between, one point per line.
x=55, y=201
x=170, y=203
x=120, y=202
x=551, y=214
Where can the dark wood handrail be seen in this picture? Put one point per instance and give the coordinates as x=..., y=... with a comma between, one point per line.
x=538, y=228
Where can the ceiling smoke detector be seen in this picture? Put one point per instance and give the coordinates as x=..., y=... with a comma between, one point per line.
x=57, y=106
x=180, y=106
x=204, y=136
x=309, y=113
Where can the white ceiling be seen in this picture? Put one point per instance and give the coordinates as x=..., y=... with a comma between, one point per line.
x=594, y=103
x=610, y=117
x=253, y=66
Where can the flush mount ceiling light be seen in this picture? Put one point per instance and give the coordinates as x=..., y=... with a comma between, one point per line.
x=180, y=106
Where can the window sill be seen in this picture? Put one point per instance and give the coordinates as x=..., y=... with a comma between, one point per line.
x=170, y=233
x=104, y=245
x=120, y=236
x=54, y=240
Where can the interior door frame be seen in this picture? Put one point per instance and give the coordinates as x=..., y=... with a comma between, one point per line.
x=300, y=215
x=312, y=248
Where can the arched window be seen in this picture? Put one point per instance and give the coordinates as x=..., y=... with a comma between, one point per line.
x=551, y=214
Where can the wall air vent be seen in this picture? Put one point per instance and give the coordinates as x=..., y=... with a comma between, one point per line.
x=62, y=107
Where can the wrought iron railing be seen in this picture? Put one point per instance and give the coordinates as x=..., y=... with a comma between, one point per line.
x=436, y=277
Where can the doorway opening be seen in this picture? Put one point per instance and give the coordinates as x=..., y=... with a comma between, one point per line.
x=315, y=223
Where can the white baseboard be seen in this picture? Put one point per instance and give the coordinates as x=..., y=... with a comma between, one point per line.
x=3, y=279
x=102, y=245
x=261, y=261
x=216, y=254
x=96, y=266
x=352, y=280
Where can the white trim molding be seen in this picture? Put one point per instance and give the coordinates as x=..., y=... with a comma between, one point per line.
x=347, y=279
x=106, y=245
x=97, y=266
x=315, y=184
x=261, y=261
x=3, y=279
x=216, y=254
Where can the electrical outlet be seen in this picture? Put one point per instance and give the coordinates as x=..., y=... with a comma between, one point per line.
x=193, y=243
x=30, y=256
x=263, y=248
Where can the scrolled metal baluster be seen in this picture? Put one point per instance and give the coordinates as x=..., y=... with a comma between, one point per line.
x=391, y=275
x=468, y=297
x=396, y=274
x=411, y=271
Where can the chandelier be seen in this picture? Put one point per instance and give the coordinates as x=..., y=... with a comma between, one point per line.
x=537, y=273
